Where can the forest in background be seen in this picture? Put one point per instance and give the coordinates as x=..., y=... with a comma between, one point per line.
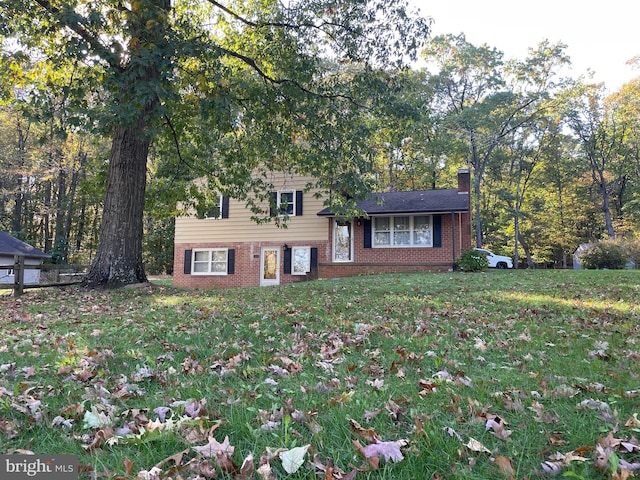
x=555, y=161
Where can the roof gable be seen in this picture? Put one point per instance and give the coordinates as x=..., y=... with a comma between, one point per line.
x=416, y=201
x=10, y=245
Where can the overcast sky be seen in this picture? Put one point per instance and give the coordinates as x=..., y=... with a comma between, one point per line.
x=600, y=35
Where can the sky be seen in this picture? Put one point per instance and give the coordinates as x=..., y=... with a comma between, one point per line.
x=600, y=35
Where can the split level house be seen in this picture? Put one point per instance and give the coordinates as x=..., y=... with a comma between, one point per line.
x=409, y=231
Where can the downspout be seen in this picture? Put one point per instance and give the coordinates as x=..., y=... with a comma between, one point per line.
x=453, y=241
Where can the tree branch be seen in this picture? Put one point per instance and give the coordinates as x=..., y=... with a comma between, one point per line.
x=76, y=25
x=293, y=26
x=282, y=81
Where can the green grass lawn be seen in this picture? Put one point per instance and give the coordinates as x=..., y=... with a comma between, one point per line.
x=503, y=374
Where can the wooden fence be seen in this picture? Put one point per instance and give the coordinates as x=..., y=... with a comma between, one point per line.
x=50, y=275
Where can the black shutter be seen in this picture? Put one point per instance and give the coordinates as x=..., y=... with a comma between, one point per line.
x=437, y=231
x=231, y=261
x=367, y=233
x=298, y=203
x=314, y=257
x=187, y=262
x=287, y=260
x=273, y=204
x=225, y=206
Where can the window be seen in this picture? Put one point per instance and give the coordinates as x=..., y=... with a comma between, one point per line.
x=216, y=208
x=301, y=260
x=216, y=211
x=287, y=202
x=210, y=261
x=422, y=231
x=402, y=231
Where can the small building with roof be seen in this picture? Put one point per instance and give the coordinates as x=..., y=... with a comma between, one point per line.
x=10, y=246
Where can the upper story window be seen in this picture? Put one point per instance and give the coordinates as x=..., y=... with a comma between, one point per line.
x=215, y=212
x=402, y=231
x=287, y=202
x=214, y=208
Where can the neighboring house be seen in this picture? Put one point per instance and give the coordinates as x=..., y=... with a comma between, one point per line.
x=11, y=246
x=401, y=232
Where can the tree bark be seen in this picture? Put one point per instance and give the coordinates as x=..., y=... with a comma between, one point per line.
x=118, y=259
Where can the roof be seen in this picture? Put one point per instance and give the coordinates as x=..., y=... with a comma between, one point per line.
x=416, y=201
x=10, y=245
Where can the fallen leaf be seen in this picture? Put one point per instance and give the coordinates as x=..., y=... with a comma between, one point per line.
x=293, y=459
x=504, y=465
x=247, y=469
x=368, y=434
x=386, y=450
x=214, y=448
x=633, y=422
x=475, y=446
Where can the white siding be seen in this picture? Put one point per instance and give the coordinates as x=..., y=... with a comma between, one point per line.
x=31, y=276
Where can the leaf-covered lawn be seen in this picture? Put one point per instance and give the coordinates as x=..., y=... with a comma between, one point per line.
x=504, y=374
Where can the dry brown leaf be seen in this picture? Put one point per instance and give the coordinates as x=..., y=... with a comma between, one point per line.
x=504, y=465
x=623, y=474
x=633, y=422
x=247, y=469
x=128, y=466
x=602, y=455
x=368, y=434
x=373, y=461
x=475, y=446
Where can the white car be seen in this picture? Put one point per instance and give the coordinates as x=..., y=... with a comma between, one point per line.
x=496, y=261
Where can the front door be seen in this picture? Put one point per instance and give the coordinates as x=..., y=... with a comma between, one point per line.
x=270, y=266
x=342, y=241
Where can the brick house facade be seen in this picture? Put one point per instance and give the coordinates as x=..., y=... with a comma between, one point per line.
x=401, y=232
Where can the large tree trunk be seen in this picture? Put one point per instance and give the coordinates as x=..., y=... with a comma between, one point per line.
x=118, y=259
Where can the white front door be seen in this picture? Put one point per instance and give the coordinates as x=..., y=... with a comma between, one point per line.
x=270, y=266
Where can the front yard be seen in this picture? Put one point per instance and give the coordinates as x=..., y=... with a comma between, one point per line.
x=502, y=374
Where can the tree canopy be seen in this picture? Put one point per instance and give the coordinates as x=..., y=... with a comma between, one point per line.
x=109, y=110
x=235, y=85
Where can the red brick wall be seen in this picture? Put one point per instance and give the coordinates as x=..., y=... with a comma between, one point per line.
x=247, y=264
x=391, y=260
x=366, y=260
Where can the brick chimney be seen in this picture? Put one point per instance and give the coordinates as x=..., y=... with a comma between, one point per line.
x=464, y=180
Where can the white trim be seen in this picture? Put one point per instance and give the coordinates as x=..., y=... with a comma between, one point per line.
x=292, y=203
x=209, y=261
x=272, y=280
x=334, y=241
x=219, y=205
x=391, y=230
x=293, y=260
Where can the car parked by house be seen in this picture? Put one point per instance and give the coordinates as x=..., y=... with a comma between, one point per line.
x=496, y=261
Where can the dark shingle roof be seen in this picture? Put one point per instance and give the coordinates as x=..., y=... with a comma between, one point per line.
x=417, y=201
x=12, y=246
